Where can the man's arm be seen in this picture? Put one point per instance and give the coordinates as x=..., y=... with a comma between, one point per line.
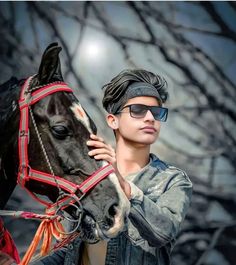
x=159, y=222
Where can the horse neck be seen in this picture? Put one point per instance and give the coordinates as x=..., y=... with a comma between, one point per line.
x=9, y=124
x=8, y=169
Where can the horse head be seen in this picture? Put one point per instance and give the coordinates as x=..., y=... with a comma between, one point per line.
x=59, y=128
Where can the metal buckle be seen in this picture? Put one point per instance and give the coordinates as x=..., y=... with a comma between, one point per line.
x=81, y=194
x=60, y=212
x=23, y=133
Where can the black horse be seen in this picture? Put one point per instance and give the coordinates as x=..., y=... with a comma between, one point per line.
x=58, y=130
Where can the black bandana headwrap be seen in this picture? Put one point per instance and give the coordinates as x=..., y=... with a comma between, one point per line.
x=137, y=89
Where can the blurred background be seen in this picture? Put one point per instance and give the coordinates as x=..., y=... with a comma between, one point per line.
x=193, y=45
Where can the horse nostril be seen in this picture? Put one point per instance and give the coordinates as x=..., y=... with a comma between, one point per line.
x=112, y=210
x=110, y=214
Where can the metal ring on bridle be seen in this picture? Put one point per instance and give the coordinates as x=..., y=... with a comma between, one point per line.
x=79, y=210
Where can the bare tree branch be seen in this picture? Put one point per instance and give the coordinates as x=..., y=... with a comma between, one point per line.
x=224, y=29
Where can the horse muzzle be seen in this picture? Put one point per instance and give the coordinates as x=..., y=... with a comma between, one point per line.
x=92, y=230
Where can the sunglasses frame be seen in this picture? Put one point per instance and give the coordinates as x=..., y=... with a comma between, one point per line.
x=146, y=107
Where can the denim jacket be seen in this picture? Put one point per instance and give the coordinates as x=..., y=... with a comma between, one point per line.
x=160, y=199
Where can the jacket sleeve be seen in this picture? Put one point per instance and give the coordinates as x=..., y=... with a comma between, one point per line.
x=54, y=259
x=158, y=220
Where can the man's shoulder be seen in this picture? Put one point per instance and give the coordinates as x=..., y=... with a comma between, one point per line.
x=164, y=166
x=157, y=162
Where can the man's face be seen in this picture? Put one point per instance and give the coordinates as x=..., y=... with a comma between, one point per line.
x=139, y=129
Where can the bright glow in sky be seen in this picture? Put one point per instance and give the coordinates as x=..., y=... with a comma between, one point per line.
x=92, y=50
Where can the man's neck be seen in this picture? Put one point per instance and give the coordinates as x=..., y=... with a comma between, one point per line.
x=130, y=158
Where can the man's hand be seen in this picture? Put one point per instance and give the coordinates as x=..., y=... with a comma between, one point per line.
x=103, y=151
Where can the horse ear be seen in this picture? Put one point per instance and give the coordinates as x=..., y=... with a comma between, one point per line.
x=50, y=67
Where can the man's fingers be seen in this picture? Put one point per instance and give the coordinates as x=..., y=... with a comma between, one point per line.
x=95, y=143
x=105, y=157
x=100, y=145
x=97, y=138
x=101, y=151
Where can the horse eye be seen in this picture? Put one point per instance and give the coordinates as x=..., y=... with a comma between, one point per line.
x=60, y=131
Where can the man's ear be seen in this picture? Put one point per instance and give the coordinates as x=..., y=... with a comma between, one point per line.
x=112, y=121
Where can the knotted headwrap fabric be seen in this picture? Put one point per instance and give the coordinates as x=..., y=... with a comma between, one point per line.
x=137, y=89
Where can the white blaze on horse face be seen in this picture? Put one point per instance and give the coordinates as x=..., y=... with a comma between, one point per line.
x=122, y=210
x=81, y=115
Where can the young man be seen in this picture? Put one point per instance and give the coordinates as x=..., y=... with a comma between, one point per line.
x=158, y=192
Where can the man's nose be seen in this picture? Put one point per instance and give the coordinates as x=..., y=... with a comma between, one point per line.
x=149, y=116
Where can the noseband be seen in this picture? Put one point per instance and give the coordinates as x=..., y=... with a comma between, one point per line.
x=68, y=191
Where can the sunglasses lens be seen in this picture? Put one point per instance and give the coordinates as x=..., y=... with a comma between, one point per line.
x=138, y=110
x=159, y=113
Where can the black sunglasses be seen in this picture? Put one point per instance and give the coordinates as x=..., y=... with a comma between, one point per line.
x=139, y=111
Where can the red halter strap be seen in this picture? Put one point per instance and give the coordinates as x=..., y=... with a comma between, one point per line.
x=26, y=172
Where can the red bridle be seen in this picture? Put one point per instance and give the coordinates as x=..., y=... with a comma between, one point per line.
x=26, y=173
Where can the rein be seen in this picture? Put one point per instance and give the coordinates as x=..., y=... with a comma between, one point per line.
x=68, y=191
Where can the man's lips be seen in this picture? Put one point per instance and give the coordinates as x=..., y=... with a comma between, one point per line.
x=149, y=129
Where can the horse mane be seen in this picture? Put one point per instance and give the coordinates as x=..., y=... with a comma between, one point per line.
x=9, y=94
